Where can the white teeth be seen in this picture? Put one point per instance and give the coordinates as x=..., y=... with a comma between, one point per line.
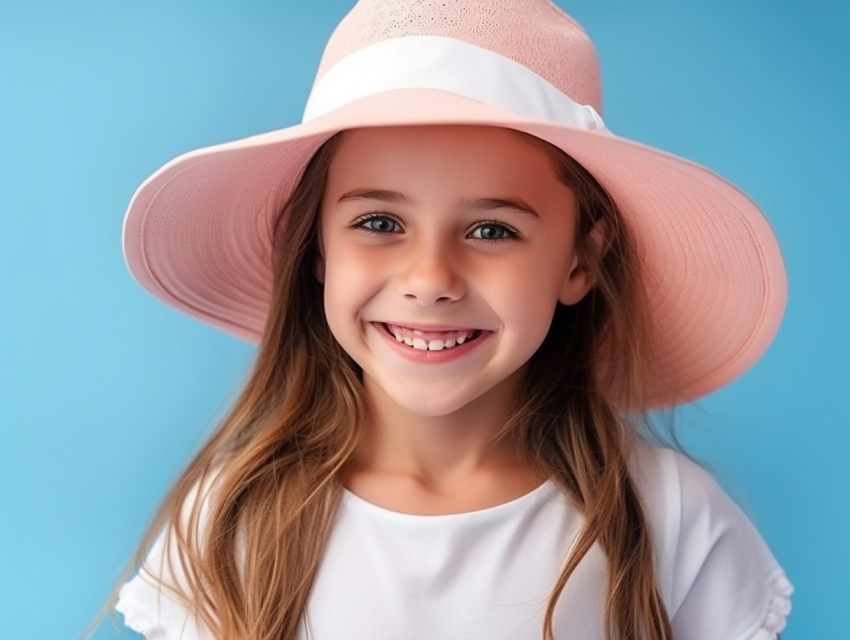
x=428, y=345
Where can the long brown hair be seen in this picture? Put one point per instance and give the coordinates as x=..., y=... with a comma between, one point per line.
x=248, y=552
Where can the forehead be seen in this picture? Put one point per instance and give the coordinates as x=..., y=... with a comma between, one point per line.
x=451, y=153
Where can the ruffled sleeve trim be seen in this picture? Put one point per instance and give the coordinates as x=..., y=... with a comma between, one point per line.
x=136, y=602
x=147, y=602
x=778, y=609
x=149, y=609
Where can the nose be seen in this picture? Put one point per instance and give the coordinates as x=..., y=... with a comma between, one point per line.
x=431, y=275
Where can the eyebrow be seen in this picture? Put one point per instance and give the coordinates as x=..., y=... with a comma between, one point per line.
x=482, y=204
x=375, y=194
x=489, y=204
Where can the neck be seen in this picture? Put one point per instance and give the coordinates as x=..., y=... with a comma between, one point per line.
x=442, y=463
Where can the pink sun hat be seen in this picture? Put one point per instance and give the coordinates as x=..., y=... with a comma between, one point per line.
x=197, y=233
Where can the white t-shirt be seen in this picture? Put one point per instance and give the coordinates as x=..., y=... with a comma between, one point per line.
x=488, y=574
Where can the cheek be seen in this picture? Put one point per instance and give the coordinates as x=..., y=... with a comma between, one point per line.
x=537, y=276
x=526, y=293
x=351, y=279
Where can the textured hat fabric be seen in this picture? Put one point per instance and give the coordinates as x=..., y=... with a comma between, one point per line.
x=197, y=233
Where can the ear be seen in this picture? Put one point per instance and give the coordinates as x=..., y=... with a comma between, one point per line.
x=580, y=278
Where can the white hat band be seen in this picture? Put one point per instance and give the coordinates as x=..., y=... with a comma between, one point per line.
x=445, y=64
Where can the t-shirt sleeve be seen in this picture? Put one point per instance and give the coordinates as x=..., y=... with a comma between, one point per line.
x=725, y=583
x=152, y=609
x=147, y=603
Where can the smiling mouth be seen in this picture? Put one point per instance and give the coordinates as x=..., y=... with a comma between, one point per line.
x=430, y=340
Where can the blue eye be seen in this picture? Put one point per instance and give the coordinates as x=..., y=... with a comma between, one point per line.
x=493, y=232
x=378, y=224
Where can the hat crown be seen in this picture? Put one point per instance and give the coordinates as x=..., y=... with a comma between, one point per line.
x=534, y=33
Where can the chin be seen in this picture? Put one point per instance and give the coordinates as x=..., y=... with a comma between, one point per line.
x=438, y=405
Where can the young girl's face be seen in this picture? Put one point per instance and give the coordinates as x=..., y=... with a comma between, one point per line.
x=444, y=252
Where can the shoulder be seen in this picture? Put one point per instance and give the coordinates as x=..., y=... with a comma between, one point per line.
x=149, y=602
x=718, y=577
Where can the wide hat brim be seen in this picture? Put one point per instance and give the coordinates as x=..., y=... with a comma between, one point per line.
x=197, y=234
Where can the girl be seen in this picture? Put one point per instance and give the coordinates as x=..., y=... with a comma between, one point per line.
x=466, y=293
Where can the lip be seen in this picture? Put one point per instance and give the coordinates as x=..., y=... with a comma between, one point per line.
x=419, y=326
x=432, y=357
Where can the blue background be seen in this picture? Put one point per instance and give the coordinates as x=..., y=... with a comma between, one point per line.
x=106, y=392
